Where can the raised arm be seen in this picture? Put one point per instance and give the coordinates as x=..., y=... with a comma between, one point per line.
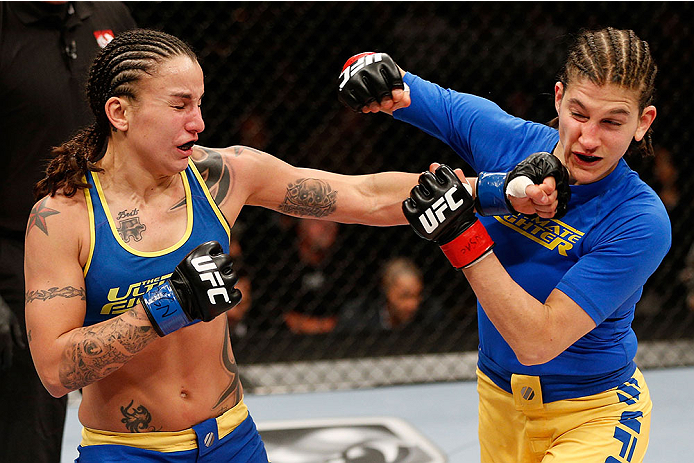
x=372, y=82
x=537, y=331
x=67, y=355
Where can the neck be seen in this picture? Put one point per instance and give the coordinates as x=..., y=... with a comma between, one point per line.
x=125, y=174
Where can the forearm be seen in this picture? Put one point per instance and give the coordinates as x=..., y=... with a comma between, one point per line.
x=94, y=352
x=523, y=321
x=382, y=197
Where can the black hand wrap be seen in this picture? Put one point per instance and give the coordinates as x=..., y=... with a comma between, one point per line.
x=367, y=77
x=539, y=166
x=200, y=288
x=441, y=210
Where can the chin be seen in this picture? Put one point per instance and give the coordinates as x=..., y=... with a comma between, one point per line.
x=585, y=178
x=181, y=165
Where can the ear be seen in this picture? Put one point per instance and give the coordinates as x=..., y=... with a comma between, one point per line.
x=558, y=95
x=645, y=121
x=116, y=109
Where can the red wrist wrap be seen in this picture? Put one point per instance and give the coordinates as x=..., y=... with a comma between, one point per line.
x=468, y=246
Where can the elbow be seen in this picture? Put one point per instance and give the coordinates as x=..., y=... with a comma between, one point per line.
x=57, y=392
x=51, y=381
x=535, y=353
x=54, y=387
x=530, y=359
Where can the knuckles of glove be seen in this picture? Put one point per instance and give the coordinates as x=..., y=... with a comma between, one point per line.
x=368, y=77
x=204, y=282
x=539, y=166
x=439, y=207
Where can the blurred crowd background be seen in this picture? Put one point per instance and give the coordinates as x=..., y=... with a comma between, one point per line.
x=319, y=292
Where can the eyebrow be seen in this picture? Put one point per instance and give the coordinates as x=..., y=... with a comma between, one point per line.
x=185, y=95
x=613, y=111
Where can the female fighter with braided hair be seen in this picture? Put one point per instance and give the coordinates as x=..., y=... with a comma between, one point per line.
x=127, y=251
x=556, y=374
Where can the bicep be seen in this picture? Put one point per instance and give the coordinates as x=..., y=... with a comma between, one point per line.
x=302, y=192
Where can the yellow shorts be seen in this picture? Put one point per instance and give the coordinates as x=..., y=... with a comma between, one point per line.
x=609, y=427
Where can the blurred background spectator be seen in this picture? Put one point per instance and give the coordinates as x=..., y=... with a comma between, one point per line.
x=398, y=305
x=311, y=312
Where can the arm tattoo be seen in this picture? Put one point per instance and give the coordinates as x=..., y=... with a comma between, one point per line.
x=129, y=225
x=94, y=352
x=229, y=363
x=38, y=214
x=50, y=293
x=136, y=419
x=309, y=197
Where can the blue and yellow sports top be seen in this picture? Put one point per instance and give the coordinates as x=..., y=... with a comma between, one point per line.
x=116, y=275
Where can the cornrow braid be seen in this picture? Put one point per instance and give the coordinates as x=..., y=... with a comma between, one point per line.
x=115, y=71
x=618, y=57
x=617, y=54
x=598, y=61
x=633, y=56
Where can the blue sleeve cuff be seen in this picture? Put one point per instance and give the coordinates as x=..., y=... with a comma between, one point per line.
x=491, y=194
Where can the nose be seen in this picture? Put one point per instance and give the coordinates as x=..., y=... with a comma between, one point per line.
x=195, y=124
x=589, y=137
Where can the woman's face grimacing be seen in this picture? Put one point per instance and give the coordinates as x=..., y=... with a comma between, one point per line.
x=596, y=126
x=165, y=120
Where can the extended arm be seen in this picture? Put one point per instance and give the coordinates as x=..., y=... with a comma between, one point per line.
x=264, y=180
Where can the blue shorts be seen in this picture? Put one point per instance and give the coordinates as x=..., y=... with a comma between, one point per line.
x=200, y=444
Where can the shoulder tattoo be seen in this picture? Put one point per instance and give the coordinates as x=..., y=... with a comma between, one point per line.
x=309, y=197
x=216, y=173
x=38, y=215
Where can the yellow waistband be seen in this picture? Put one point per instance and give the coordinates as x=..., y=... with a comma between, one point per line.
x=165, y=441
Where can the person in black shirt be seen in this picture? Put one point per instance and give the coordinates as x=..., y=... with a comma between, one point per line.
x=45, y=53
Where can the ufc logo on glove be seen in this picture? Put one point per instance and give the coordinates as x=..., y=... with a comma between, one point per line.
x=188, y=294
x=356, y=63
x=208, y=272
x=434, y=216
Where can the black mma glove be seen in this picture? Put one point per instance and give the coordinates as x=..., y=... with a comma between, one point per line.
x=492, y=188
x=441, y=209
x=200, y=288
x=367, y=77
